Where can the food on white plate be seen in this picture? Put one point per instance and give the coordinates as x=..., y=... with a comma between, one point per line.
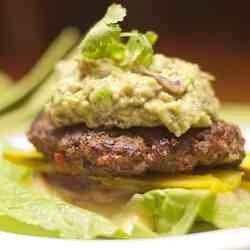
x=129, y=143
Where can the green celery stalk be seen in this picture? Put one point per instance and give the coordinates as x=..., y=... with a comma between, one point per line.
x=5, y=82
x=20, y=118
x=63, y=44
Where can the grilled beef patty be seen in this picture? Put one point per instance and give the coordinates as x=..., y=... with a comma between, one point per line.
x=136, y=151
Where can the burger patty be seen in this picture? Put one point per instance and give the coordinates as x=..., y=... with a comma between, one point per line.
x=136, y=151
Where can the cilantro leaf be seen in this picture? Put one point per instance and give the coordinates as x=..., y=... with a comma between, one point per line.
x=139, y=48
x=105, y=40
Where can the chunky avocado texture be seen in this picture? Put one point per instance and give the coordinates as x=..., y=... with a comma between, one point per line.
x=170, y=92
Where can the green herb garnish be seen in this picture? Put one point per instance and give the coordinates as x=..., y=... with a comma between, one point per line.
x=106, y=40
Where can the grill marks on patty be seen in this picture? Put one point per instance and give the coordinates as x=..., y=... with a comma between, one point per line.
x=136, y=151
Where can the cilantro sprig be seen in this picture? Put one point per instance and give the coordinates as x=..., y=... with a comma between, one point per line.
x=106, y=40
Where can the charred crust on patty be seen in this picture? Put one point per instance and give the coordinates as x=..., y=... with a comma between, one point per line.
x=137, y=151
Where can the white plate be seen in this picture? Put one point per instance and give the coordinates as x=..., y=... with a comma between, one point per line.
x=235, y=239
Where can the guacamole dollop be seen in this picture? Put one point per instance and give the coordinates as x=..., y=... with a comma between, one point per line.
x=170, y=92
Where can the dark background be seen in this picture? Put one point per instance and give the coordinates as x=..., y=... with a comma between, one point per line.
x=215, y=34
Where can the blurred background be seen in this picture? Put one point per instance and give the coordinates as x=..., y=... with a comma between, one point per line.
x=214, y=34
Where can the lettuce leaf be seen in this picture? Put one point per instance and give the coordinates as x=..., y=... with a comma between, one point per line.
x=155, y=213
x=53, y=215
x=105, y=40
x=8, y=224
x=181, y=211
x=201, y=226
x=232, y=210
x=24, y=211
x=174, y=211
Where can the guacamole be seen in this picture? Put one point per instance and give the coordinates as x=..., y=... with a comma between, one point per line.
x=170, y=92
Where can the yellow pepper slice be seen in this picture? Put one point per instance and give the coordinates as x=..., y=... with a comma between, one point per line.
x=232, y=177
x=245, y=184
x=31, y=159
x=22, y=155
x=221, y=181
x=245, y=165
x=216, y=181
